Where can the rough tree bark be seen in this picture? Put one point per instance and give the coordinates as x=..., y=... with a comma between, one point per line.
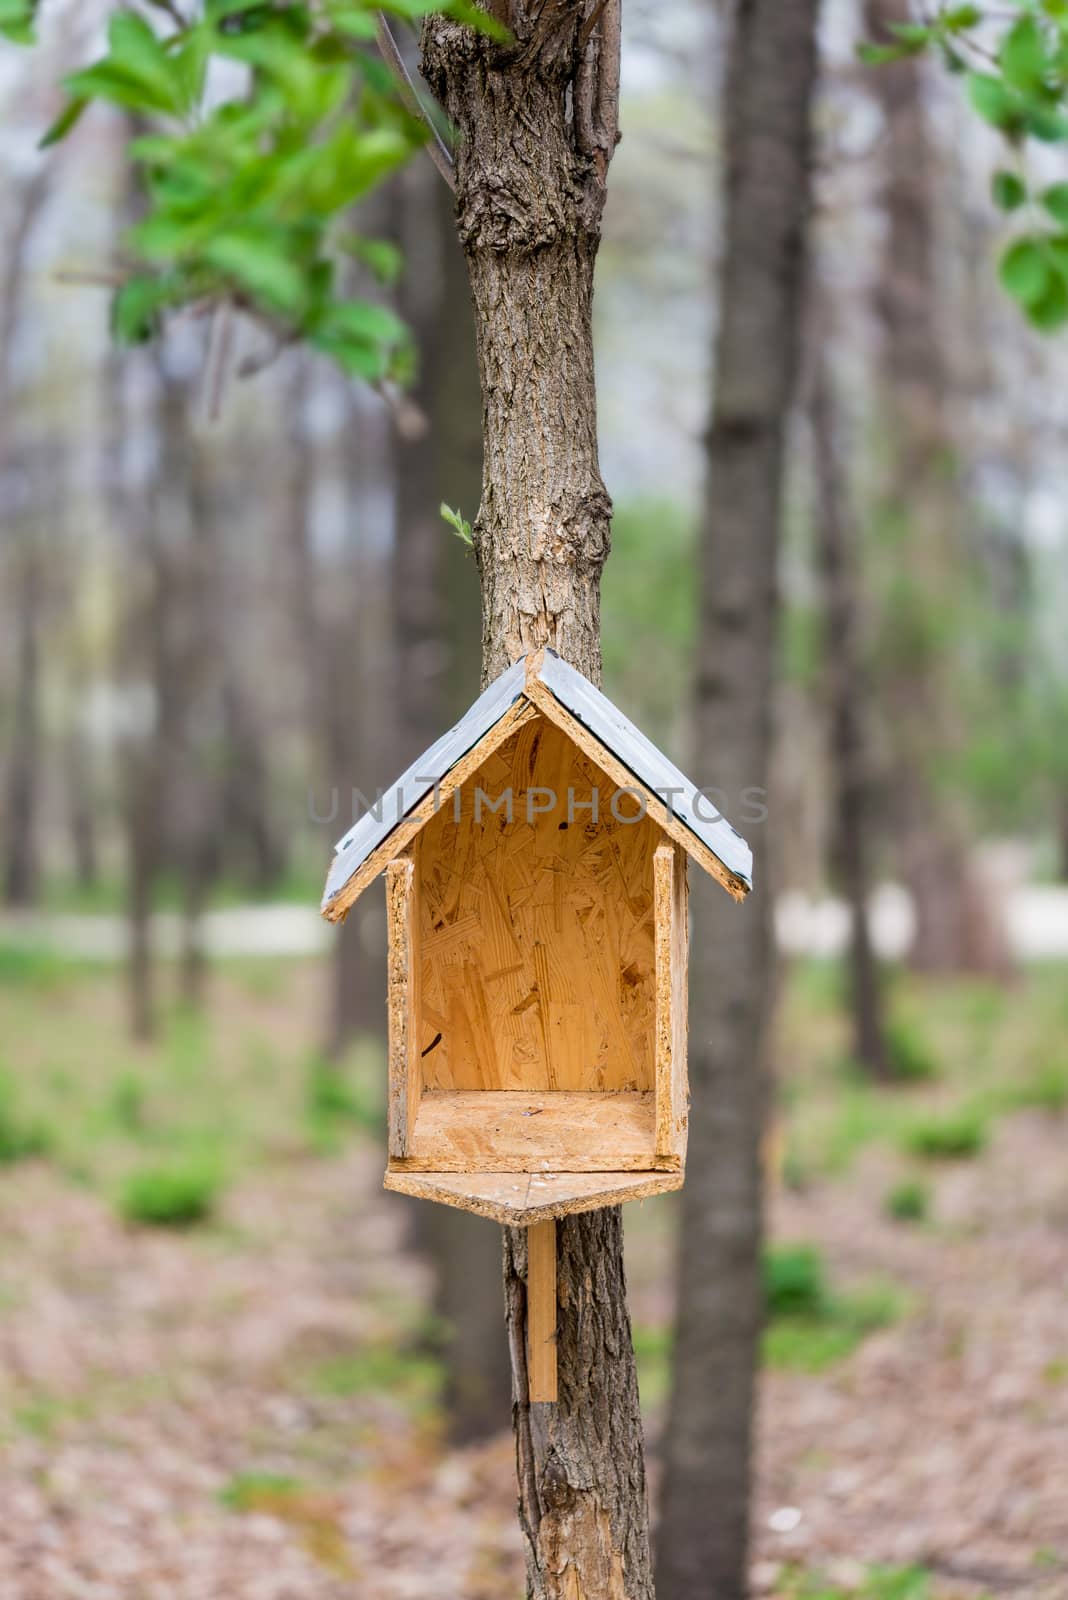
x=921, y=512
x=530, y=188
x=702, y=1547
x=848, y=701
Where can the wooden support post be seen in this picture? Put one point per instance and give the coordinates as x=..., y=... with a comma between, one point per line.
x=541, y=1311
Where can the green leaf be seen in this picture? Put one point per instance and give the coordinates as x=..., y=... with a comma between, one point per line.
x=1009, y=191
x=459, y=525
x=1050, y=311
x=960, y=17
x=879, y=55
x=1055, y=200
x=913, y=33
x=1045, y=122
x=354, y=23
x=1025, y=271
x=360, y=319
x=1023, y=55
x=136, y=51
x=382, y=257
x=366, y=340
x=994, y=102
x=165, y=238
x=105, y=81
x=136, y=308
x=459, y=10
x=254, y=258
x=63, y=124
x=16, y=21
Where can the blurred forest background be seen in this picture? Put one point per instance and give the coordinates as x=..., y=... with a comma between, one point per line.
x=228, y=1363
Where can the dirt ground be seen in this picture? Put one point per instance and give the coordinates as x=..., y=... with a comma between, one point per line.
x=240, y=1411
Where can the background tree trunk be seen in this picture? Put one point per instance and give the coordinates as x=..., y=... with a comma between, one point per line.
x=20, y=843
x=438, y=462
x=21, y=866
x=703, y=1542
x=920, y=518
x=530, y=188
x=848, y=701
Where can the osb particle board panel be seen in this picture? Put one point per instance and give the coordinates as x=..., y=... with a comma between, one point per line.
x=672, y=955
x=495, y=1131
x=521, y=1198
x=536, y=932
x=403, y=1005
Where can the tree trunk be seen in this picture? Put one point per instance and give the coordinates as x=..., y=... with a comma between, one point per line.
x=356, y=648
x=20, y=819
x=24, y=760
x=848, y=705
x=921, y=514
x=530, y=189
x=702, y=1547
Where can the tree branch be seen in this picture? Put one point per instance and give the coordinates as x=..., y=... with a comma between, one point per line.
x=437, y=149
x=597, y=85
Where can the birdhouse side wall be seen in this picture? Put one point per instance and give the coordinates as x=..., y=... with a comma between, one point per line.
x=672, y=916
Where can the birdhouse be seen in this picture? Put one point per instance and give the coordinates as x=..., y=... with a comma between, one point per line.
x=536, y=887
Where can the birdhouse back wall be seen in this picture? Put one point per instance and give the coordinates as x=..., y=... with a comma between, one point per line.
x=536, y=934
x=538, y=963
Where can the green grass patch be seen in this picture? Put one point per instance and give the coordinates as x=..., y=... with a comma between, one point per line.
x=22, y=1136
x=878, y=1583
x=1045, y=1090
x=259, y=1491
x=812, y=1343
x=948, y=1136
x=908, y=1201
x=795, y=1282
x=399, y=1372
x=810, y=1327
x=176, y=1194
x=652, y=1351
x=343, y=1097
x=127, y=1104
x=30, y=965
x=910, y=1058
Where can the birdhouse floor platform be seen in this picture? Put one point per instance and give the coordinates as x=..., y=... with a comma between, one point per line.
x=521, y=1199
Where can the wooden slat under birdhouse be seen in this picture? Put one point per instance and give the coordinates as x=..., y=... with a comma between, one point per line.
x=541, y=1312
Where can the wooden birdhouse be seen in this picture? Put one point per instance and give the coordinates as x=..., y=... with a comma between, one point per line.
x=535, y=861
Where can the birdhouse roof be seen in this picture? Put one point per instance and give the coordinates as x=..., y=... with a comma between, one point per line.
x=538, y=683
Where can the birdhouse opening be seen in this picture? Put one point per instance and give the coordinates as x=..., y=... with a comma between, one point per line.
x=538, y=934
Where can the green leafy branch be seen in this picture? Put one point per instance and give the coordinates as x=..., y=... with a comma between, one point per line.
x=1014, y=66
x=246, y=199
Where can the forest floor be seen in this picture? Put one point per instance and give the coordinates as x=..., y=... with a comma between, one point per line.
x=242, y=1409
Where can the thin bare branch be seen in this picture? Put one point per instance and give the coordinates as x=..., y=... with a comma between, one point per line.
x=590, y=23
x=220, y=347
x=94, y=277
x=610, y=32
x=596, y=90
x=437, y=149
